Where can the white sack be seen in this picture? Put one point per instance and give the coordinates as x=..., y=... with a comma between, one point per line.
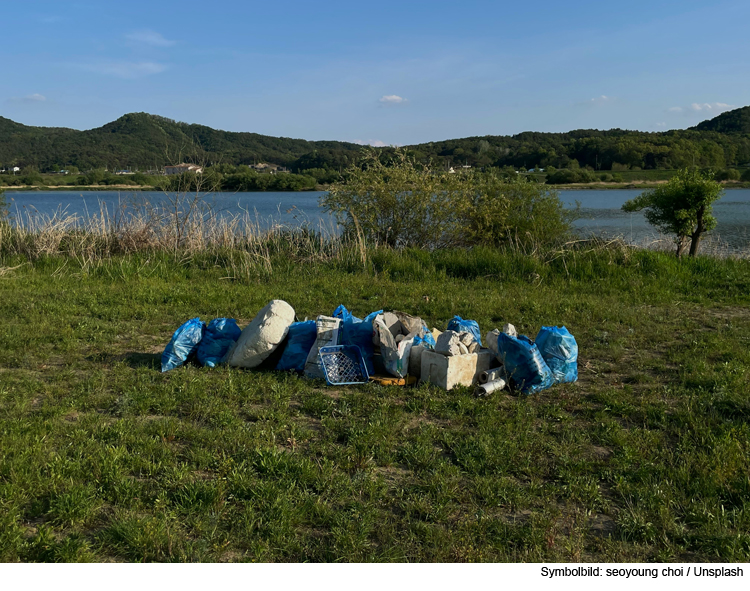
x=259, y=339
x=328, y=329
x=395, y=354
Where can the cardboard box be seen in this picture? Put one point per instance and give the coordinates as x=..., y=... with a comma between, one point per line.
x=457, y=370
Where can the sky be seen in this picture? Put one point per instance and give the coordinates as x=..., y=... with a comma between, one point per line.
x=384, y=73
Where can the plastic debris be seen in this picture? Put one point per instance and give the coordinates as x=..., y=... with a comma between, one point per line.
x=491, y=375
x=560, y=351
x=389, y=326
x=183, y=345
x=358, y=332
x=458, y=324
x=523, y=363
x=487, y=388
x=328, y=334
x=343, y=365
x=299, y=340
x=219, y=337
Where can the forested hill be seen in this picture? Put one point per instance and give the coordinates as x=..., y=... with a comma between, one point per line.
x=140, y=140
x=143, y=141
x=718, y=143
x=737, y=121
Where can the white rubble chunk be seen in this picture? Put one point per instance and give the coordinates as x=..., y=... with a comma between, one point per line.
x=491, y=340
x=448, y=343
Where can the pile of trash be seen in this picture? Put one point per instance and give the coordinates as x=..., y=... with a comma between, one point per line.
x=386, y=347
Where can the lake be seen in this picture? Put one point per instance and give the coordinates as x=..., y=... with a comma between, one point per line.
x=600, y=212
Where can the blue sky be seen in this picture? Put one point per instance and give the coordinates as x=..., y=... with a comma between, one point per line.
x=379, y=72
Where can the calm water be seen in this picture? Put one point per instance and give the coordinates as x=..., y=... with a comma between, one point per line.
x=600, y=210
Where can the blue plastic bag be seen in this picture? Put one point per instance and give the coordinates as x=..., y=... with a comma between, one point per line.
x=220, y=335
x=560, y=351
x=356, y=331
x=426, y=340
x=524, y=363
x=299, y=340
x=458, y=324
x=184, y=343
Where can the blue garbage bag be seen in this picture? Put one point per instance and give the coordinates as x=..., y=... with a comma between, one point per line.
x=220, y=335
x=184, y=343
x=425, y=339
x=524, y=363
x=560, y=351
x=358, y=332
x=299, y=340
x=458, y=324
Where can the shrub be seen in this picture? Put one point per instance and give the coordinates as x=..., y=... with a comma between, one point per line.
x=406, y=204
x=728, y=174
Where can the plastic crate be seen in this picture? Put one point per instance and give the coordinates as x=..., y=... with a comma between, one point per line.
x=343, y=365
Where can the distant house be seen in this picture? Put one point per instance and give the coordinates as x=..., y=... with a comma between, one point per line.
x=268, y=167
x=180, y=168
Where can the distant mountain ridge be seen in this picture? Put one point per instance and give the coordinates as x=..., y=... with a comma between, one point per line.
x=144, y=141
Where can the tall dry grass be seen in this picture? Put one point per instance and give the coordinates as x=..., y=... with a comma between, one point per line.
x=243, y=244
x=185, y=226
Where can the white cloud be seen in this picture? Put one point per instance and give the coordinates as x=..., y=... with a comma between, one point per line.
x=707, y=108
x=31, y=99
x=127, y=70
x=149, y=37
x=661, y=124
x=713, y=107
x=374, y=143
x=601, y=99
x=392, y=99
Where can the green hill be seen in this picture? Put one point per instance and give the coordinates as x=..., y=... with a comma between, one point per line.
x=736, y=121
x=140, y=140
x=143, y=141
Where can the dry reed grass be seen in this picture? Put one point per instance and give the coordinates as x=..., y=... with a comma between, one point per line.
x=184, y=226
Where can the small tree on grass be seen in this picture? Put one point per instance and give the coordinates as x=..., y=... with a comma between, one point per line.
x=681, y=207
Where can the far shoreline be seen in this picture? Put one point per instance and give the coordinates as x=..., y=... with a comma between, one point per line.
x=632, y=185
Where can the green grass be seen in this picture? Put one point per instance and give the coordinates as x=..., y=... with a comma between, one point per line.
x=646, y=458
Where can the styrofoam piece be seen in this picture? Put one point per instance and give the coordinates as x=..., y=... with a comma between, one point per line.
x=489, y=387
x=259, y=339
x=491, y=375
x=447, y=372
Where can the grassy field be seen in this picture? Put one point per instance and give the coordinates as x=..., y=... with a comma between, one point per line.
x=645, y=458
